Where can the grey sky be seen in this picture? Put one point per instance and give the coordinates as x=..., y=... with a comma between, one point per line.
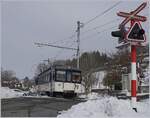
x=26, y=22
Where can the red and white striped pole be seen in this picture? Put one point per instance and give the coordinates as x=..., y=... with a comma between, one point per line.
x=133, y=75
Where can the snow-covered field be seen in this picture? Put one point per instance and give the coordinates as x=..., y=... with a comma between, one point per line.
x=106, y=107
x=9, y=93
x=6, y=92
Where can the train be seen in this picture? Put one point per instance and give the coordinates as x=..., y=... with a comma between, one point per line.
x=57, y=81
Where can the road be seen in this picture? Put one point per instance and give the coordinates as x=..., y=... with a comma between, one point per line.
x=35, y=107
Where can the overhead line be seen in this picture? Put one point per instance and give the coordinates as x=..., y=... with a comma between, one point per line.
x=94, y=28
x=102, y=13
x=109, y=22
x=71, y=37
x=60, y=52
x=106, y=29
x=99, y=32
x=45, y=44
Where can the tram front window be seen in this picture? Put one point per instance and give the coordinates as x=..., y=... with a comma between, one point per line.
x=61, y=76
x=76, y=77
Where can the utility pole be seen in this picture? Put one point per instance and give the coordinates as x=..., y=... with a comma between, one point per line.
x=48, y=62
x=79, y=25
x=78, y=43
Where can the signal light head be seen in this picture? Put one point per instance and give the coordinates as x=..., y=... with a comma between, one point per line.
x=120, y=34
x=117, y=34
x=142, y=31
x=137, y=34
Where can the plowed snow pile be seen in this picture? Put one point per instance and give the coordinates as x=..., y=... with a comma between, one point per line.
x=9, y=93
x=106, y=107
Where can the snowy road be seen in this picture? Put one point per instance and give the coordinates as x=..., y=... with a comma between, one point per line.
x=35, y=107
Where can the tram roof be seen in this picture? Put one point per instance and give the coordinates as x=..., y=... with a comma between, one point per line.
x=60, y=68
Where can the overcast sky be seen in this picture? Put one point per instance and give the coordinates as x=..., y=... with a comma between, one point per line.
x=26, y=22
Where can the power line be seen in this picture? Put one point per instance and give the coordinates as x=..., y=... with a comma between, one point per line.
x=109, y=22
x=45, y=44
x=94, y=28
x=61, y=41
x=102, y=13
x=60, y=52
x=72, y=36
x=99, y=32
x=106, y=29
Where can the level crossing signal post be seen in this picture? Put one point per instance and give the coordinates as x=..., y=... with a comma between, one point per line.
x=135, y=36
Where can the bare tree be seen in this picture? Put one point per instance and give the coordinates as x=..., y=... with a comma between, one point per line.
x=8, y=78
x=88, y=81
x=40, y=68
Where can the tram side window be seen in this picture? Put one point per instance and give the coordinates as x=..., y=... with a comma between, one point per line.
x=68, y=76
x=40, y=80
x=36, y=81
x=76, y=77
x=61, y=76
x=45, y=78
x=49, y=79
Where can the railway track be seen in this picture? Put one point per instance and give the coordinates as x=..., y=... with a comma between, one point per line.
x=35, y=107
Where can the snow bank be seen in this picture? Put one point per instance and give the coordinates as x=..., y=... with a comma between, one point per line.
x=106, y=107
x=9, y=93
x=90, y=96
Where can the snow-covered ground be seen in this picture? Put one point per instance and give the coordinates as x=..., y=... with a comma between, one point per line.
x=106, y=107
x=90, y=96
x=6, y=92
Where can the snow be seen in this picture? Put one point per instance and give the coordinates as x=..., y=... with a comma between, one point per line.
x=90, y=96
x=38, y=96
x=106, y=107
x=9, y=93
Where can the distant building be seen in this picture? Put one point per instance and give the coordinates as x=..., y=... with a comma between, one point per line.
x=126, y=85
x=98, y=83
